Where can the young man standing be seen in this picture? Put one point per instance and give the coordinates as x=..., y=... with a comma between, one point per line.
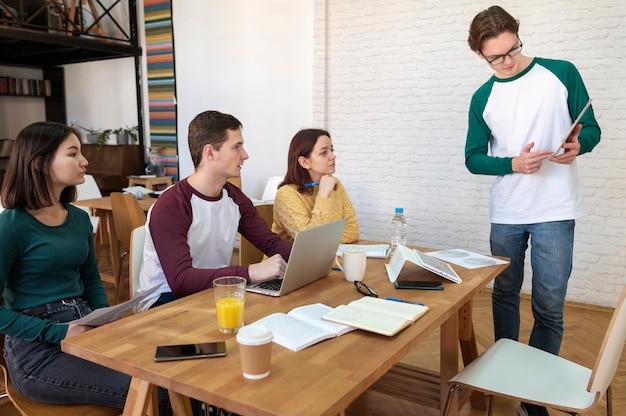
x=192, y=227
x=521, y=115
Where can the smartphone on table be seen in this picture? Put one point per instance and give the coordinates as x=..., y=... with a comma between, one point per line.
x=416, y=284
x=189, y=351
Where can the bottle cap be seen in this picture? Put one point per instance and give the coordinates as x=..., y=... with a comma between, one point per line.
x=399, y=210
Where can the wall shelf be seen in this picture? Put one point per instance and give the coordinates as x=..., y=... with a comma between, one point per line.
x=49, y=33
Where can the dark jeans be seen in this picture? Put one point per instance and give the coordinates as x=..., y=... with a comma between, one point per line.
x=42, y=372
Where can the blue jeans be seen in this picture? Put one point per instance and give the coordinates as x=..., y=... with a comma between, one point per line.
x=552, y=246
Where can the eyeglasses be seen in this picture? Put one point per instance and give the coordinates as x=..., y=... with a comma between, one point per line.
x=365, y=289
x=498, y=59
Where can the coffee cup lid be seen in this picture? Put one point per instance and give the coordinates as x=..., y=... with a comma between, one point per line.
x=254, y=335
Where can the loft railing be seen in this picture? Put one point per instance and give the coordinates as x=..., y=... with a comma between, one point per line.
x=108, y=20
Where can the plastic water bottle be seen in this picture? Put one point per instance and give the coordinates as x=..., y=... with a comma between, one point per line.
x=154, y=163
x=398, y=229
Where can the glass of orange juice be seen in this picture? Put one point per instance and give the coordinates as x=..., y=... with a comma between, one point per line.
x=229, y=301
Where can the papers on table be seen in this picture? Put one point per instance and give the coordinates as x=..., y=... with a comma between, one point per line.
x=465, y=258
x=377, y=251
x=256, y=202
x=105, y=315
x=137, y=191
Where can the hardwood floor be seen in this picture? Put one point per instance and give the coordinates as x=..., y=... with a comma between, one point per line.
x=584, y=331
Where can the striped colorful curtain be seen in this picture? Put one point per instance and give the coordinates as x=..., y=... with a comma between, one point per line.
x=161, y=82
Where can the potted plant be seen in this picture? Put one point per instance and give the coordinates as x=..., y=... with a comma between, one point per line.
x=97, y=136
x=126, y=134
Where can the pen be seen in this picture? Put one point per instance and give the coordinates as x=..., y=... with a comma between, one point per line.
x=337, y=268
x=311, y=184
x=404, y=301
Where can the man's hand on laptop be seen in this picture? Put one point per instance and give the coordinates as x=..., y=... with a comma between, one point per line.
x=271, y=268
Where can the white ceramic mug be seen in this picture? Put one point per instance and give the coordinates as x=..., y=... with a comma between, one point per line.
x=353, y=266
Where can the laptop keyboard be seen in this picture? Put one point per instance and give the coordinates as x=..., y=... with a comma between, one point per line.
x=271, y=284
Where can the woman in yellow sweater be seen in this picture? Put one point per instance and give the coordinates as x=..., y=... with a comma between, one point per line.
x=309, y=195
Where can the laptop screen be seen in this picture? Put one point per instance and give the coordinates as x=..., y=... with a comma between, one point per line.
x=311, y=258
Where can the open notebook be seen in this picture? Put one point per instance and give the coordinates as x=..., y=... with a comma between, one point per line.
x=311, y=258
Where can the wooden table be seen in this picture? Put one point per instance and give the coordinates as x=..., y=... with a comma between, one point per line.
x=320, y=380
x=150, y=183
x=103, y=206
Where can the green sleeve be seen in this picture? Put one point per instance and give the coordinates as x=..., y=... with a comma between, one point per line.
x=477, y=158
x=577, y=98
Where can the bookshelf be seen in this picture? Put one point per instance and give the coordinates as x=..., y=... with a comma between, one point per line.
x=25, y=87
x=46, y=34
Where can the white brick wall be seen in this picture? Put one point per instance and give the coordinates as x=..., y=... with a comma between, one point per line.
x=392, y=83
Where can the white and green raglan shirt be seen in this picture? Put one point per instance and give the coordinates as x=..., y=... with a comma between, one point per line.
x=538, y=105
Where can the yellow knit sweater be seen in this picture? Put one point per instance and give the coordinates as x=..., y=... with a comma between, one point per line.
x=294, y=211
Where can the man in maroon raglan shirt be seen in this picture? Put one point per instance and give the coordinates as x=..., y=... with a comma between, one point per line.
x=192, y=227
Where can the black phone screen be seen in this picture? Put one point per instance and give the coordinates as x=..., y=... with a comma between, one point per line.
x=414, y=284
x=187, y=351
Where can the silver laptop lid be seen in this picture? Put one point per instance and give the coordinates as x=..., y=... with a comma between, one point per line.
x=311, y=258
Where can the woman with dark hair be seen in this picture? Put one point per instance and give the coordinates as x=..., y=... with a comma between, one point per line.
x=309, y=195
x=49, y=272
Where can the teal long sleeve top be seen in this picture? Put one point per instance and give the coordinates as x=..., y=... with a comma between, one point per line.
x=41, y=264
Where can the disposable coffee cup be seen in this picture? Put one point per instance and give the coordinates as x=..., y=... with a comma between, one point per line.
x=255, y=351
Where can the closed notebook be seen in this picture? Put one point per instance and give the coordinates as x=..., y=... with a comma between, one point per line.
x=376, y=315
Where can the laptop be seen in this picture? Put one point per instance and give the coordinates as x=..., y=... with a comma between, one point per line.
x=311, y=258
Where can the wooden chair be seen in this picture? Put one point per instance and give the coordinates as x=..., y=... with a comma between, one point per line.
x=28, y=407
x=235, y=181
x=127, y=215
x=248, y=253
x=511, y=369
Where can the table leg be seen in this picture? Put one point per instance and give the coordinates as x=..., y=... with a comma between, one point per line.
x=469, y=348
x=449, y=361
x=181, y=405
x=139, y=397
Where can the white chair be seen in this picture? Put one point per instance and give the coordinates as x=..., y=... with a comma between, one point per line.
x=89, y=190
x=269, y=193
x=511, y=369
x=137, y=240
